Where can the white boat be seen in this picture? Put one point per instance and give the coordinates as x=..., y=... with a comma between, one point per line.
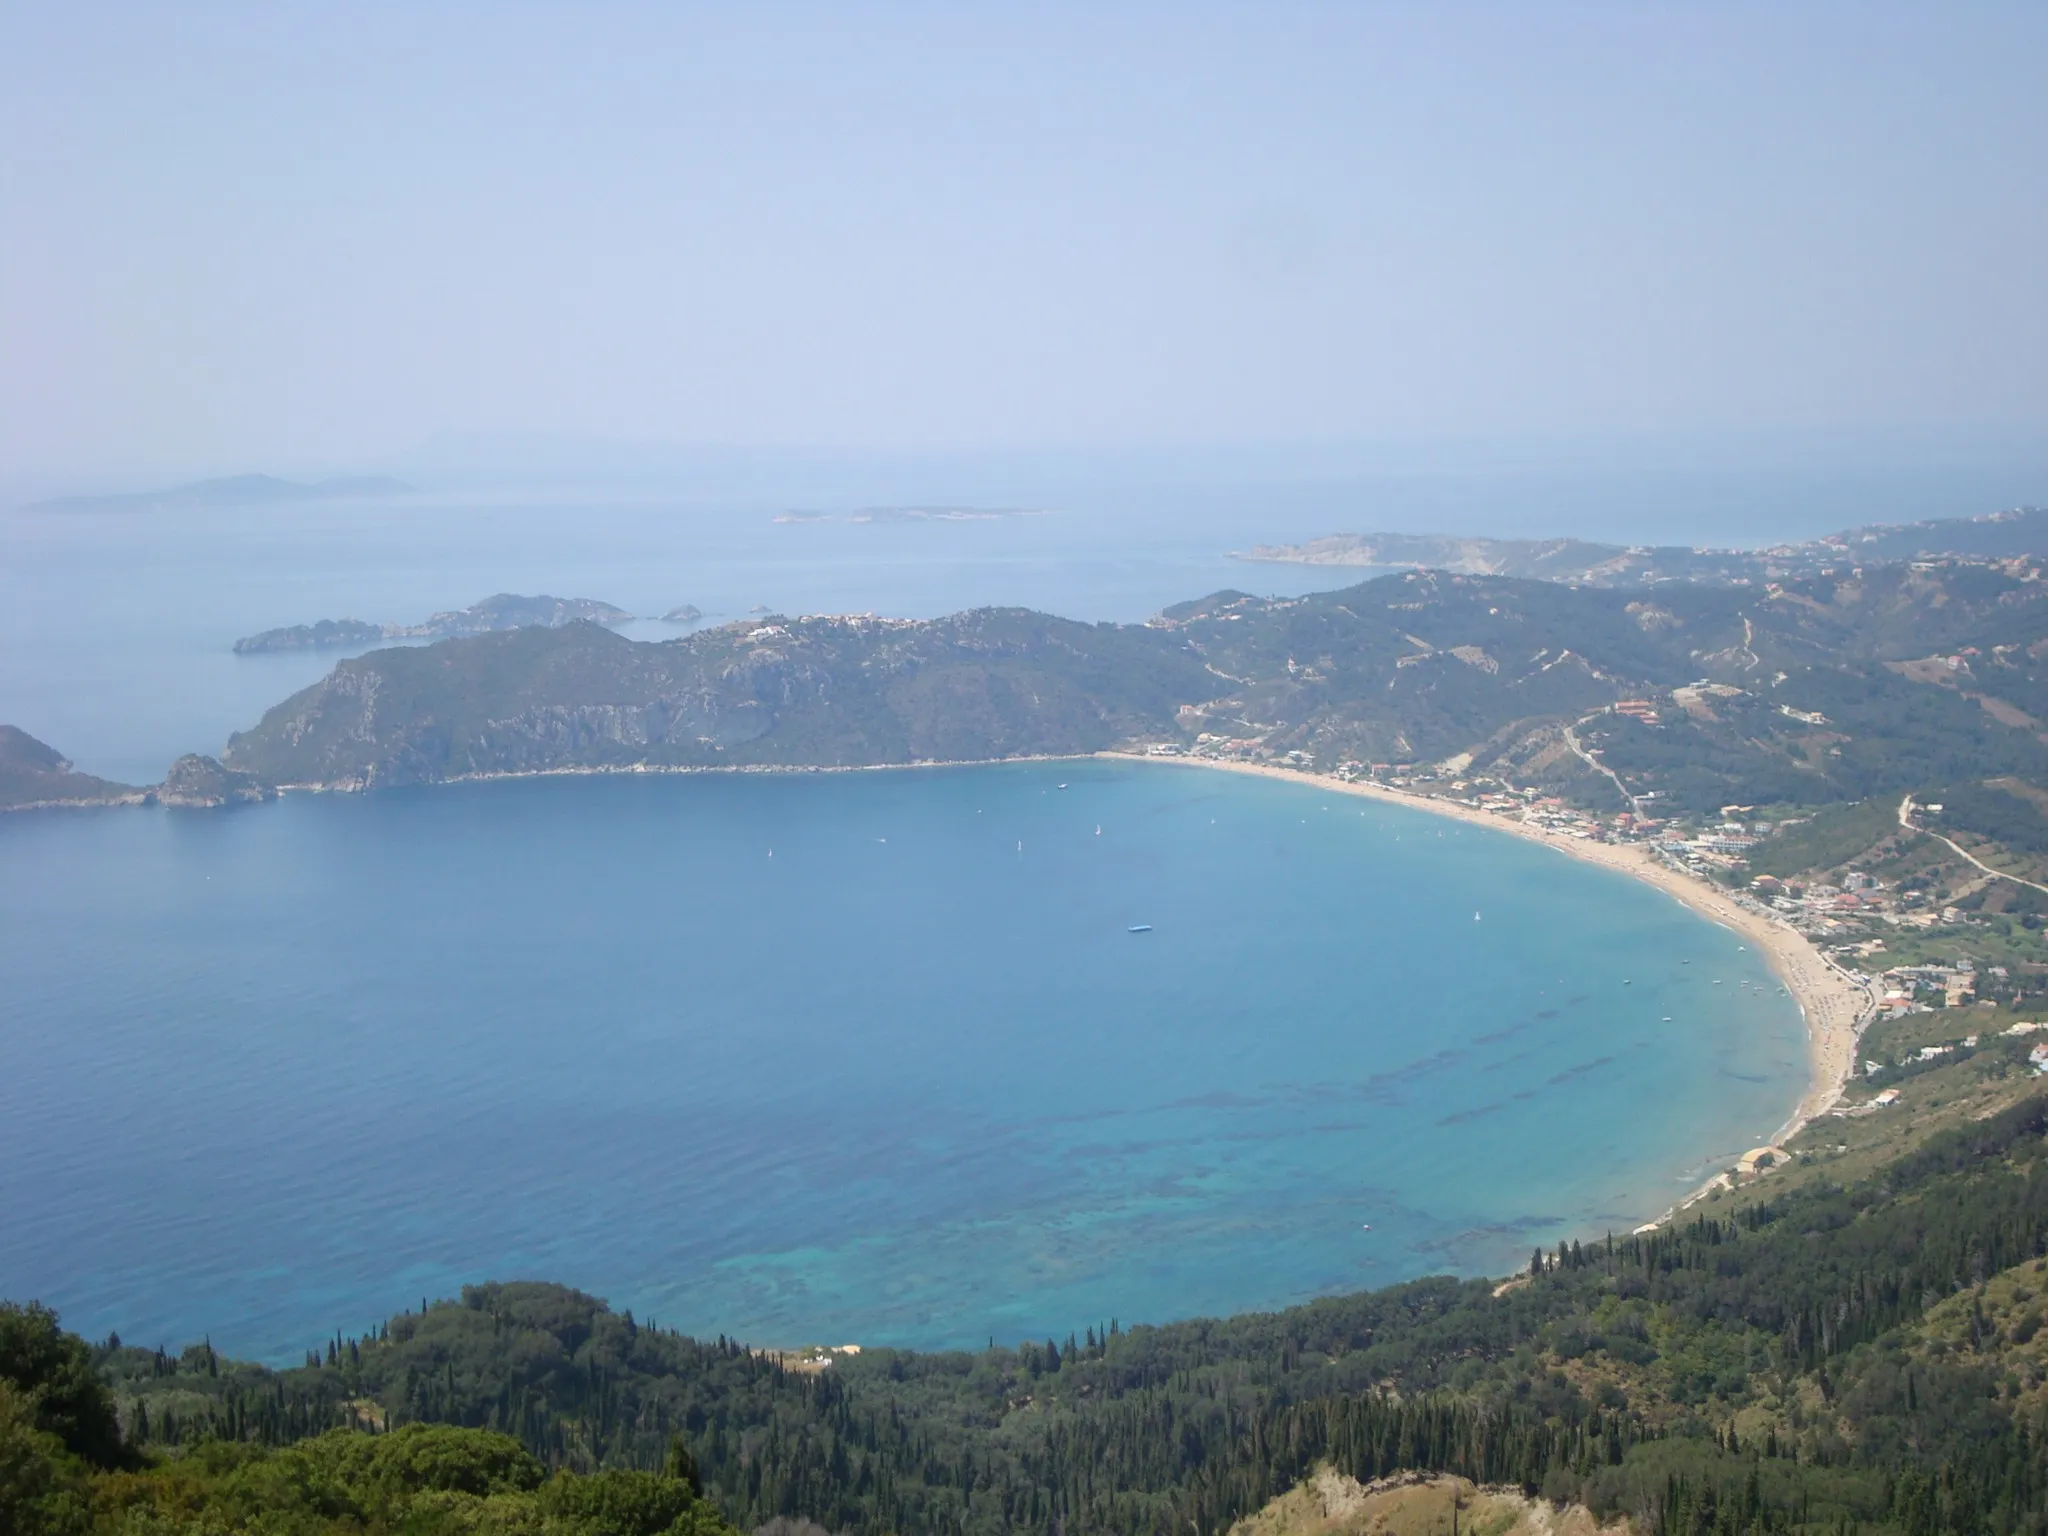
x=1139, y=928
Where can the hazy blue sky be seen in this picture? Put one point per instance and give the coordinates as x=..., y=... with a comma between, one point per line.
x=254, y=235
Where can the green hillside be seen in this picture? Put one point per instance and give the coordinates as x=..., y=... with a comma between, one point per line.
x=1841, y=687
x=783, y=692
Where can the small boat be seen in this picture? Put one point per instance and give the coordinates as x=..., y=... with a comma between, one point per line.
x=1626, y=982
x=1667, y=1018
x=1063, y=786
x=1139, y=928
x=1098, y=829
x=1475, y=917
x=1366, y=1227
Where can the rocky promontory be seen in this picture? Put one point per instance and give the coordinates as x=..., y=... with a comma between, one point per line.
x=34, y=774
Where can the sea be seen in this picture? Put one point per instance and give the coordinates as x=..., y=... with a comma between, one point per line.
x=869, y=1057
x=872, y=1057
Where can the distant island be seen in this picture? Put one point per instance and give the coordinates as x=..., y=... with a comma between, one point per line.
x=1996, y=535
x=688, y=613
x=920, y=514
x=312, y=637
x=938, y=514
x=506, y=610
x=230, y=491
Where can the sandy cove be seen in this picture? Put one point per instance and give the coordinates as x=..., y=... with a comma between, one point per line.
x=1834, y=1005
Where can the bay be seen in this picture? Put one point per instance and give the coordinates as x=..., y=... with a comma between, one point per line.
x=830, y=1057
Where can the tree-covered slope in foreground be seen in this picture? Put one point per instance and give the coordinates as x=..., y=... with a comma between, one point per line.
x=1870, y=1355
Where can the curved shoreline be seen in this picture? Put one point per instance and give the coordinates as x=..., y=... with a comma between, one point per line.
x=1834, y=1007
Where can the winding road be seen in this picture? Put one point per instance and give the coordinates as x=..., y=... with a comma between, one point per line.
x=1906, y=821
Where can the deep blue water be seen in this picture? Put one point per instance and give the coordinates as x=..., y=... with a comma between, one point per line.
x=277, y=1071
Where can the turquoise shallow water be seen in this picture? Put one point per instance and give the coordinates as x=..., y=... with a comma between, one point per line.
x=284, y=1070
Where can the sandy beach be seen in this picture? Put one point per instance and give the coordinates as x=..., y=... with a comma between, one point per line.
x=1834, y=1005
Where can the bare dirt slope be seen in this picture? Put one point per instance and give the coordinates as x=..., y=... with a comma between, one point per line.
x=1414, y=1504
